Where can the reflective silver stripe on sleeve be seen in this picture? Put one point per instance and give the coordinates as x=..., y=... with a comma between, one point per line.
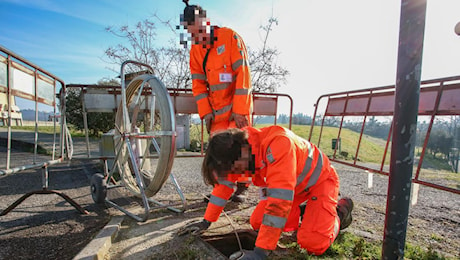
x=217, y=201
x=307, y=166
x=223, y=110
x=219, y=86
x=201, y=96
x=242, y=91
x=229, y=184
x=283, y=194
x=199, y=76
x=238, y=63
x=305, y=171
x=316, y=172
x=274, y=221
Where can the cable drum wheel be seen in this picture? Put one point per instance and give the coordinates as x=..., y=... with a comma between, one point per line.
x=151, y=135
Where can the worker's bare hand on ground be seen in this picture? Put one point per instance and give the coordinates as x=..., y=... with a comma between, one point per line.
x=240, y=120
x=208, y=121
x=256, y=254
x=194, y=228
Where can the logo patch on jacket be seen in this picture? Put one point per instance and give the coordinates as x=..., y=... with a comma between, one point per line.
x=220, y=49
x=270, y=157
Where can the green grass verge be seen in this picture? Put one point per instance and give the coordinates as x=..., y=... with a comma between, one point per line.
x=346, y=246
x=350, y=246
x=49, y=130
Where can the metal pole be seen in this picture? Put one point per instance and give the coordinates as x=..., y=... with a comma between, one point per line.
x=85, y=121
x=63, y=134
x=54, y=120
x=9, y=83
x=411, y=33
x=36, y=116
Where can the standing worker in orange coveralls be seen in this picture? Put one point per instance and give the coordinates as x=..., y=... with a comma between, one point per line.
x=221, y=80
x=296, y=180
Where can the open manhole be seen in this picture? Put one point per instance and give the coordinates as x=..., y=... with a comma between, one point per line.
x=227, y=244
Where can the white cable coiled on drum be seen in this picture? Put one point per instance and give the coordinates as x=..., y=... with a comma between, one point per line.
x=155, y=171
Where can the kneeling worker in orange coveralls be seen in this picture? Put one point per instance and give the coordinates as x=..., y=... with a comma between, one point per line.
x=296, y=181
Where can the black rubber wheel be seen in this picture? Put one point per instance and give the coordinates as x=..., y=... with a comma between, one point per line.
x=98, y=188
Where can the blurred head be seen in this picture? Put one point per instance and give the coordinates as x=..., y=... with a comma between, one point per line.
x=197, y=25
x=228, y=152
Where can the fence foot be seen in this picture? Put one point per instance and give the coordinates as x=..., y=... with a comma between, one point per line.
x=44, y=191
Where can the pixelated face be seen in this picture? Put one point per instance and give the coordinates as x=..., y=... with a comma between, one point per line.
x=199, y=31
x=241, y=165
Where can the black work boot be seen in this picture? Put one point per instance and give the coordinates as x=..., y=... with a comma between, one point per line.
x=240, y=193
x=344, y=209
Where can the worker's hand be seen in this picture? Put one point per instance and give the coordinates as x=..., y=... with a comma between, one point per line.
x=256, y=254
x=194, y=228
x=240, y=120
x=208, y=121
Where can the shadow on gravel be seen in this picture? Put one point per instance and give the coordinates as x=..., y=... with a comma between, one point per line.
x=49, y=235
x=45, y=226
x=59, y=178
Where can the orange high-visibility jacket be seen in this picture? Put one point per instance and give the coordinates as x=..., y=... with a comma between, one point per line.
x=225, y=86
x=287, y=166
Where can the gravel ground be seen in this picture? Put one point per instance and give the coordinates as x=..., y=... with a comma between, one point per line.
x=45, y=227
x=433, y=222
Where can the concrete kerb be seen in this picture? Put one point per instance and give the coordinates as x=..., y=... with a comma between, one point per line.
x=100, y=245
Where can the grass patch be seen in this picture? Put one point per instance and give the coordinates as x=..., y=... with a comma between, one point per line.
x=430, y=161
x=371, y=149
x=415, y=252
x=41, y=129
x=350, y=246
x=50, y=130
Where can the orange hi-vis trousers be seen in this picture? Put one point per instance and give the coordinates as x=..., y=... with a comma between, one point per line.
x=320, y=224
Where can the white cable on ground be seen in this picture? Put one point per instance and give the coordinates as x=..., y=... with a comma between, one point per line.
x=231, y=224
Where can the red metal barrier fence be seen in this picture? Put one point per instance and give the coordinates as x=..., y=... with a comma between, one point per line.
x=438, y=98
x=99, y=98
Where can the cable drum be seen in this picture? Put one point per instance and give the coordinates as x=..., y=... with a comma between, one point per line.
x=147, y=125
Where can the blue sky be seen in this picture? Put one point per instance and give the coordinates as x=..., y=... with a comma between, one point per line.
x=327, y=45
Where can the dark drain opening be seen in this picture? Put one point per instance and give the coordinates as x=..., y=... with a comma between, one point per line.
x=227, y=244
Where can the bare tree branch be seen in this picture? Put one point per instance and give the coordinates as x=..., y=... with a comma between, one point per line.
x=267, y=75
x=171, y=63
